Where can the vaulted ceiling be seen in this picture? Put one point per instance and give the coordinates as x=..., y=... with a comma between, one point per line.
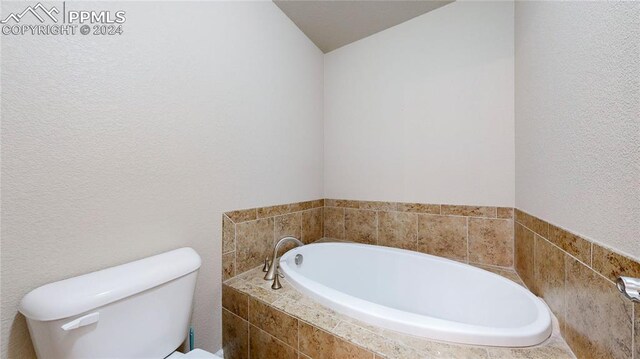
x=331, y=24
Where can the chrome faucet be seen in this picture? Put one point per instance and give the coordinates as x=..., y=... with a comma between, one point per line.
x=272, y=272
x=630, y=287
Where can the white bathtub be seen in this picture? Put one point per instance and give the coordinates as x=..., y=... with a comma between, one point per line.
x=419, y=294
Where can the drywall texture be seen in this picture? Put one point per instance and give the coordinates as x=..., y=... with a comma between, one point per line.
x=577, y=118
x=115, y=148
x=423, y=111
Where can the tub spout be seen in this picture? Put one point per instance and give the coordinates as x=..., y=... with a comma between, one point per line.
x=273, y=267
x=630, y=287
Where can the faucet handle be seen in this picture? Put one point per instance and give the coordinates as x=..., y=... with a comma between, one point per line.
x=266, y=266
x=276, y=282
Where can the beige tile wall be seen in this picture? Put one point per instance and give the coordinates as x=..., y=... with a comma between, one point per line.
x=472, y=234
x=574, y=276
x=248, y=235
x=253, y=328
x=576, y=279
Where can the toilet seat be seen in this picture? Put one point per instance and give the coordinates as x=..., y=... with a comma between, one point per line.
x=194, y=354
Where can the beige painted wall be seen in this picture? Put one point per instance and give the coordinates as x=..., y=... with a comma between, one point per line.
x=117, y=148
x=423, y=111
x=578, y=118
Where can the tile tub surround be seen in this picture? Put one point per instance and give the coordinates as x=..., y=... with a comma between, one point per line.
x=576, y=278
x=248, y=235
x=471, y=234
x=259, y=322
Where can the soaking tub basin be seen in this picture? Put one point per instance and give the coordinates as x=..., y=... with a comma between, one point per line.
x=418, y=294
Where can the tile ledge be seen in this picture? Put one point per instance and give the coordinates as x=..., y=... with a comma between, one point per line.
x=248, y=282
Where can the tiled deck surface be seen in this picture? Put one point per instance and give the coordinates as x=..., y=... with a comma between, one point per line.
x=386, y=343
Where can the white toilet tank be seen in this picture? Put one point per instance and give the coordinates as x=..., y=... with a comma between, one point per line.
x=136, y=310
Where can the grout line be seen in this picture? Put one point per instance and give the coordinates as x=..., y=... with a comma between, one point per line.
x=489, y=356
x=513, y=240
x=272, y=336
x=276, y=215
x=337, y=324
x=273, y=237
x=300, y=227
x=566, y=292
x=633, y=331
x=344, y=224
x=573, y=257
x=248, y=326
x=298, y=325
x=563, y=251
x=373, y=209
x=418, y=212
x=248, y=330
x=457, y=215
x=588, y=239
x=520, y=278
x=493, y=266
x=321, y=223
x=235, y=235
x=340, y=336
x=298, y=335
x=417, y=232
x=395, y=341
x=324, y=223
x=377, y=227
x=235, y=251
x=467, y=225
x=535, y=272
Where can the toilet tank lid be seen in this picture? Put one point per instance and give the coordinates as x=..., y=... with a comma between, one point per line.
x=77, y=295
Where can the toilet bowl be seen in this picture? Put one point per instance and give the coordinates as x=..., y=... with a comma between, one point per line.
x=136, y=310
